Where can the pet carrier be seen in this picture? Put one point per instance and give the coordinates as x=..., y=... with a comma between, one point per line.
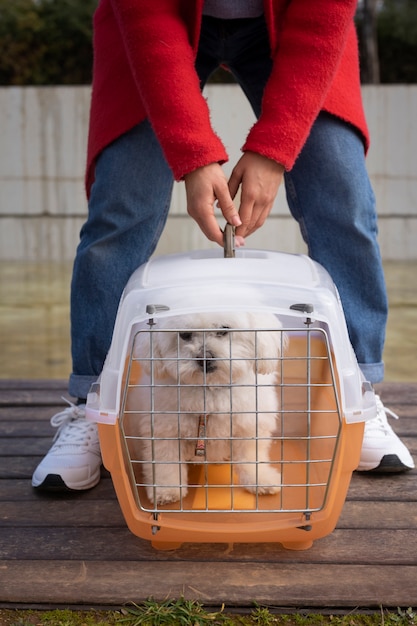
x=231, y=406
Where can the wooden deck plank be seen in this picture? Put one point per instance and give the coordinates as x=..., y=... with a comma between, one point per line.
x=35, y=413
x=44, y=512
x=20, y=490
x=23, y=466
x=390, y=488
x=272, y=584
x=343, y=546
x=75, y=549
x=23, y=397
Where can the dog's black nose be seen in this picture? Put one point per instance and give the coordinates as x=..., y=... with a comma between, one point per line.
x=206, y=362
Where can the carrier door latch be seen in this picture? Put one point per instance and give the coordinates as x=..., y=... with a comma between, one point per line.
x=304, y=307
x=151, y=309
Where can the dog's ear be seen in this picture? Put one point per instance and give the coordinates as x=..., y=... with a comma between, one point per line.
x=271, y=341
x=269, y=347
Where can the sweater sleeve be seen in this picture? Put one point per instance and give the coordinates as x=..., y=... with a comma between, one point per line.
x=162, y=63
x=310, y=46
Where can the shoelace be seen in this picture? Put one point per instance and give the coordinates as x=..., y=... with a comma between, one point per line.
x=71, y=424
x=383, y=409
x=380, y=422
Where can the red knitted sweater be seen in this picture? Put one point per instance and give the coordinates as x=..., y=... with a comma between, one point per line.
x=144, y=67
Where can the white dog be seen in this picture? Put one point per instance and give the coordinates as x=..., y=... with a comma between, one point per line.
x=209, y=394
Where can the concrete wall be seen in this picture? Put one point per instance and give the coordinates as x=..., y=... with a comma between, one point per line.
x=42, y=153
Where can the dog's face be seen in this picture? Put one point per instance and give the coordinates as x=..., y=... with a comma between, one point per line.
x=211, y=348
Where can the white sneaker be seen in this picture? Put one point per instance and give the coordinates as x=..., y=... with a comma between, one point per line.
x=74, y=460
x=382, y=450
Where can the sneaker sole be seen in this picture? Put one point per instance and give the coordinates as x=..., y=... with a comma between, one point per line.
x=54, y=483
x=390, y=464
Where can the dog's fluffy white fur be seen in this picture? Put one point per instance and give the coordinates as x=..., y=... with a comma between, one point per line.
x=207, y=369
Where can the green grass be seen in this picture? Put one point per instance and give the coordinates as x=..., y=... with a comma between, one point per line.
x=184, y=612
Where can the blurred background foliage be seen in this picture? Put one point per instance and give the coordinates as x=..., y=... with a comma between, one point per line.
x=397, y=41
x=48, y=42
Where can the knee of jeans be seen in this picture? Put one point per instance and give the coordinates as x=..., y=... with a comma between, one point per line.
x=337, y=193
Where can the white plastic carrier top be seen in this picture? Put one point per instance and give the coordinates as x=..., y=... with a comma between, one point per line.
x=291, y=286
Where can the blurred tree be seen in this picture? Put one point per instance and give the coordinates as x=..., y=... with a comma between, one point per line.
x=397, y=41
x=20, y=52
x=367, y=32
x=46, y=42
x=66, y=36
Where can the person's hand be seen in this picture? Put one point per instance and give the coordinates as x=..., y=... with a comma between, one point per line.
x=259, y=179
x=203, y=187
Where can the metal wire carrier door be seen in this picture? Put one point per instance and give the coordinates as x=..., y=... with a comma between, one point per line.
x=235, y=443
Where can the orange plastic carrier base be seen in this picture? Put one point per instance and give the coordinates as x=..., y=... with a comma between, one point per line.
x=316, y=471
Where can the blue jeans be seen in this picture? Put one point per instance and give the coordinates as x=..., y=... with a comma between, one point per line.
x=328, y=192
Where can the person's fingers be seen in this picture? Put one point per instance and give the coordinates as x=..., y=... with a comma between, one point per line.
x=226, y=205
x=253, y=214
x=234, y=182
x=204, y=187
x=207, y=222
x=258, y=178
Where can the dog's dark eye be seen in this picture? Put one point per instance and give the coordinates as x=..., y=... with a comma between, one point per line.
x=186, y=336
x=223, y=331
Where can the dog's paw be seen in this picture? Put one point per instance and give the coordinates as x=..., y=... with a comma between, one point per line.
x=264, y=490
x=162, y=495
x=267, y=481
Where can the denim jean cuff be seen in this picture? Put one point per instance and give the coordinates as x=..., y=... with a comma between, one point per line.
x=79, y=386
x=373, y=372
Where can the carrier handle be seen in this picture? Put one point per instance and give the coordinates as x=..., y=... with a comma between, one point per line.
x=229, y=241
